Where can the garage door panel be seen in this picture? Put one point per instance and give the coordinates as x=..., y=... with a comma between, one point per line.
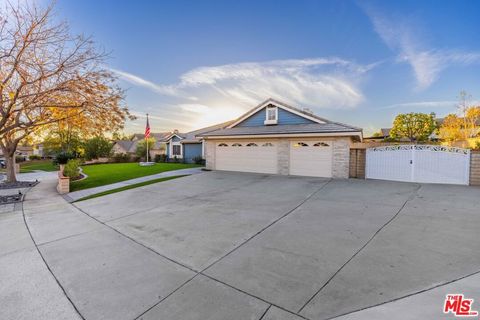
x=237, y=156
x=312, y=158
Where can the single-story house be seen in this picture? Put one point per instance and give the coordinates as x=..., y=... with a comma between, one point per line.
x=277, y=138
x=130, y=146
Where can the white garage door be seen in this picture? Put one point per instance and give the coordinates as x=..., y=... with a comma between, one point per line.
x=247, y=156
x=311, y=158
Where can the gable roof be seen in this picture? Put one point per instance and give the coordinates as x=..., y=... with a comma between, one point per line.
x=195, y=136
x=321, y=125
x=159, y=136
x=276, y=103
x=125, y=144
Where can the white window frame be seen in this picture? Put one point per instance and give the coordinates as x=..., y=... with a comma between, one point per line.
x=271, y=121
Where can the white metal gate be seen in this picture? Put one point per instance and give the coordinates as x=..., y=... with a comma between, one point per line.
x=419, y=163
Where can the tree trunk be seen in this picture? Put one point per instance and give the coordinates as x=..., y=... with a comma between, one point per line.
x=11, y=176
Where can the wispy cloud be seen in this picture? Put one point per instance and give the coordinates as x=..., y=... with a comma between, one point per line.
x=138, y=81
x=212, y=94
x=402, y=35
x=423, y=104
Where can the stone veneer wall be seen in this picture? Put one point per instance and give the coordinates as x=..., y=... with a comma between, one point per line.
x=283, y=152
x=341, y=158
x=475, y=168
x=209, y=154
x=357, y=163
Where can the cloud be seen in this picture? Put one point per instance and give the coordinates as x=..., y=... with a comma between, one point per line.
x=423, y=104
x=402, y=35
x=212, y=94
x=138, y=81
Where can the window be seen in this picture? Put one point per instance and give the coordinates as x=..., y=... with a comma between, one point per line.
x=176, y=151
x=320, y=144
x=267, y=144
x=300, y=144
x=252, y=144
x=271, y=115
x=236, y=145
x=223, y=145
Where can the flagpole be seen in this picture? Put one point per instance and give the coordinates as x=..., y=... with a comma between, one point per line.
x=146, y=140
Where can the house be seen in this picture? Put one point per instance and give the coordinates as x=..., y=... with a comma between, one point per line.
x=189, y=146
x=277, y=138
x=130, y=146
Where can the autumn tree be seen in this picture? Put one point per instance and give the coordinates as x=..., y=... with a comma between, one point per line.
x=48, y=76
x=451, y=128
x=414, y=126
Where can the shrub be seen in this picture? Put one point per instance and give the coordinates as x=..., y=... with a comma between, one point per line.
x=34, y=157
x=477, y=145
x=19, y=159
x=198, y=160
x=63, y=157
x=160, y=158
x=72, y=169
x=97, y=147
x=121, y=157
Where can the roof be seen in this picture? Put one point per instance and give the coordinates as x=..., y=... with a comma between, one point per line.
x=322, y=125
x=283, y=129
x=159, y=136
x=195, y=136
x=125, y=144
x=385, y=132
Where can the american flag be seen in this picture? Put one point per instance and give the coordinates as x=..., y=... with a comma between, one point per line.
x=147, y=129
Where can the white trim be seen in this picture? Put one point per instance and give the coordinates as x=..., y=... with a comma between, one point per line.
x=278, y=105
x=328, y=134
x=170, y=147
x=174, y=134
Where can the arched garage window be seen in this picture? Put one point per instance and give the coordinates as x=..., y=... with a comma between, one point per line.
x=252, y=144
x=300, y=144
x=223, y=145
x=267, y=144
x=236, y=145
x=320, y=144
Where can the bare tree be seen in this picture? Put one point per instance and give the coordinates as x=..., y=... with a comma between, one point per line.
x=47, y=75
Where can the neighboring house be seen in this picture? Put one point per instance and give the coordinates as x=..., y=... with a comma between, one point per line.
x=189, y=146
x=277, y=138
x=130, y=146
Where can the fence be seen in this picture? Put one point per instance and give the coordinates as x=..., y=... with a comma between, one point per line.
x=358, y=162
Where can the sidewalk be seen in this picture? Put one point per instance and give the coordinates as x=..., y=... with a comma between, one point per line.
x=76, y=195
x=28, y=289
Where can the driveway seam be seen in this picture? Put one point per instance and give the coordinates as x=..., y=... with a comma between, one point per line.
x=269, y=225
x=254, y=296
x=266, y=310
x=407, y=295
x=47, y=266
x=362, y=247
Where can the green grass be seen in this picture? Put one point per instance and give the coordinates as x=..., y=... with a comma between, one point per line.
x=103, y=174
x=132, y=186
x=44, y=165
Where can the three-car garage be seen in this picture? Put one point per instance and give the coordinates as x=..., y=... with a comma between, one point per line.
x=304, y=157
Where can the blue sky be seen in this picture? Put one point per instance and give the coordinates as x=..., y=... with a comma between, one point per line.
x=195, y=63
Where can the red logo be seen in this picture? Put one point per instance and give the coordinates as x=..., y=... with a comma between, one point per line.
x=459, y=306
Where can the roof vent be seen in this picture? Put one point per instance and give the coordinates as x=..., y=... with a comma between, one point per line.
x=307, y=110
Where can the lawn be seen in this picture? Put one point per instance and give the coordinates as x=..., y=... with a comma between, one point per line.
x=103, y=174
x=44, y=165
x=132, y=186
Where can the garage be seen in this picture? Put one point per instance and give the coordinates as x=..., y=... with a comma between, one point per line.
x=248, y=156
x=311, y=158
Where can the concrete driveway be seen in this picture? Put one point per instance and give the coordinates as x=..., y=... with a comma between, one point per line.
x=232, y=246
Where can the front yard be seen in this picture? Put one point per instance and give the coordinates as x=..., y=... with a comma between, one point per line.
x=103, y=174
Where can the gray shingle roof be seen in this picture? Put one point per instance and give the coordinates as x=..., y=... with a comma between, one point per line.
x=284, y=129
